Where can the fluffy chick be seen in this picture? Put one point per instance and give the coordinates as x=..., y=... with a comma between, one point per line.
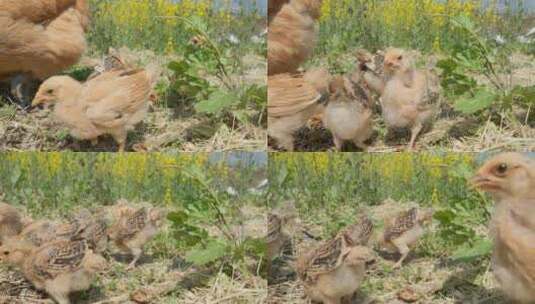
x=292, y=34
x=410, y=96
x=59, y=267
x=404, y=230
x=510, y=179
x=111, y=103
x=334, y=270
x=11, y=222
x=292, y=100
x=348, y=114
x=134, y=228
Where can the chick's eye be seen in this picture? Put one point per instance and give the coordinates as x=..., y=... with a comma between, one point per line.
x=400, y=57
x=50, y=91
x=501, y=169
x=6, y=252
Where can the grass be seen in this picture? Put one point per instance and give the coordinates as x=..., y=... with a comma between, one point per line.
x=337, y=187
x=52, y=185
x=437, y=33
x=159, y=33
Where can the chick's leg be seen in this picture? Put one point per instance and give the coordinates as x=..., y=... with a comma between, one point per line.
x=136, y=252
x=59, y=295
x=414, y=133
x=120, y=138
x=403, y=250
x=360, y=145
x=338, y=143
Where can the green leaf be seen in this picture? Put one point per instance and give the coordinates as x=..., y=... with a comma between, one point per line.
x=202, y=255
x=482, y=99
x=480, y=248
x=217, y=102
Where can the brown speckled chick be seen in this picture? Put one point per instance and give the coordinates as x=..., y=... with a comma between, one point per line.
x=59, y=267
x=510, y=179
x=358, y=233
x=276, y=236
x=81, y=226
x=404, y=230
x=410, y=96
x=134, y=228
x=334, y=270
x=348, y=114
x=11, y=222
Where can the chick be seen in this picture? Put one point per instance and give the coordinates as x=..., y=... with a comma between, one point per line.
x=367, y=71
x=348, y=114
x=82, y=226
x=359, y=233
x=134, y=228
x=292, y=34
x=292, y=100
x=112, y=103
x=334, y=270
x=510, y=179
x=11, y=222
x=410, y=96
x=404, y=230
x=275, y=237
x=59, y=267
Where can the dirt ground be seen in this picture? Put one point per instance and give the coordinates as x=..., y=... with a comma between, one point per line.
x=167, y=127
x=421, y=279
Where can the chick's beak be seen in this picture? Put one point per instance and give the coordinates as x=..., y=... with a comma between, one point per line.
x=38, y=100
x=482, y=182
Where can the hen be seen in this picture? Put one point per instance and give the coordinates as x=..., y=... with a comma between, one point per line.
x=133, y=228
x=292, y=100
x=39, y=39
x=111, y=103
x=334, y=270
x=348, y=114
x=59, y=267
x=510, y=179
x=404, y=230
x=410, y=96
x=291, y=34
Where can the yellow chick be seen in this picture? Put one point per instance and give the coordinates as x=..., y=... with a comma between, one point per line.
x=510, y=179
x=111, y=103
x=410, y=96
x=58, y=267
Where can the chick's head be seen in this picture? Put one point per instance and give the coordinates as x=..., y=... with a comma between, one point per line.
x=14, y=251
x=157, y=216
x=54, y=89
x=359, y=255
x=395, y=60
x=507, y=175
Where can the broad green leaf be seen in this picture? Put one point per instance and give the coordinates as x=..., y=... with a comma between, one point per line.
x=202, y=255
x=217, y=102
x=482, y=99
x=479, y=249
